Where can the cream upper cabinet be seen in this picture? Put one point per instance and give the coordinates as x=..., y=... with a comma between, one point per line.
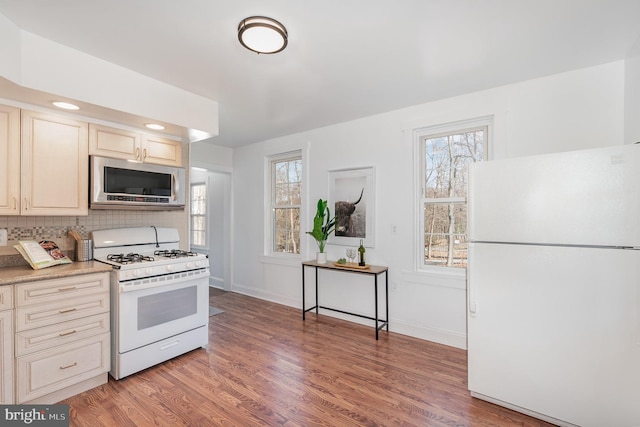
x=54, y=165
x=9, y=160
x=122, y=144
x=161, y=151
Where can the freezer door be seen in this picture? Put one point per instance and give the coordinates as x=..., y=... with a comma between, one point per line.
x=587, y=197
x=555, y=332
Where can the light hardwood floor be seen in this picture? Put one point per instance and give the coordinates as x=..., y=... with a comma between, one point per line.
x=266, y=367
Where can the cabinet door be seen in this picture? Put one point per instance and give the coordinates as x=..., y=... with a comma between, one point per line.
x=55, y=167
x=161, y=151
x=9, y=160
x=115, y=143
x=6, y=357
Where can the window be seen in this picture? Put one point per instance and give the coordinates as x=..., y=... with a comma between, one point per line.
x=444, y=158
x=199, y=215
x=286, y=196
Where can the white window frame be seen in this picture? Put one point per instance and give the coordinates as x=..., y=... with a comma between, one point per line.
x=206, y=213
x=270, y=214
x=419, y=135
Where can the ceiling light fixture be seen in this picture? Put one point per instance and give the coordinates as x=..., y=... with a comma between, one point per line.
x=262, y=35
x=154, y=126
x=65, y=105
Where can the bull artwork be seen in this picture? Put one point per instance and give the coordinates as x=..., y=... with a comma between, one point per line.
x=348, y=224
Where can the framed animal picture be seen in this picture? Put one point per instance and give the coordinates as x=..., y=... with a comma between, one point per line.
x=352, y=201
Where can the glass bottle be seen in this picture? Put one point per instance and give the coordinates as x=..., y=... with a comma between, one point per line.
x=361, y=254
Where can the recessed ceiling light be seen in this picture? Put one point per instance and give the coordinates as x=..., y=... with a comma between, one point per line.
x=65, y=105
x=154, y=126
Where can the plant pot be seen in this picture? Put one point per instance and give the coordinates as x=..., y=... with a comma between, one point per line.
x=321, y=257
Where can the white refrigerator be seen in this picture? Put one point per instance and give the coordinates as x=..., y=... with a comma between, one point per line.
x=554, y=285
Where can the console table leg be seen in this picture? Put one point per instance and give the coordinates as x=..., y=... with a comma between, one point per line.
x=303, y=300
x=376, y=302
x=317, y=290
x=386, y=289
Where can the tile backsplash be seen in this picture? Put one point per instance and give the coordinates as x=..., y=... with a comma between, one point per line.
x=56, y=228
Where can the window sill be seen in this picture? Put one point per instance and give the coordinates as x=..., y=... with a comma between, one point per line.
x=448, y=278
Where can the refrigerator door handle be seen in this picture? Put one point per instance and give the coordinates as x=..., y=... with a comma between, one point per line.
x=471, y=292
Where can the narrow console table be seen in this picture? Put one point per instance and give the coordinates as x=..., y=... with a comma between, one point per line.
x=373, y=270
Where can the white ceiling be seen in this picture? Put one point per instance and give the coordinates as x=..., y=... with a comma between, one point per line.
x=346, y=59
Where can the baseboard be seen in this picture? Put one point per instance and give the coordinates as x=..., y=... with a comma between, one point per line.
x=216, y=282
x=440, y=336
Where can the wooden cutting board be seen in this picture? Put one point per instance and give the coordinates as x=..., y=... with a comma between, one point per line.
x=352, y=265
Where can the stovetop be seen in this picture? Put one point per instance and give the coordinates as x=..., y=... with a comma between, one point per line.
x=140, y=252
x=163, y=254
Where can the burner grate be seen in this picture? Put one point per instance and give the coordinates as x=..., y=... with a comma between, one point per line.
x=174, y=253
x=129, y=258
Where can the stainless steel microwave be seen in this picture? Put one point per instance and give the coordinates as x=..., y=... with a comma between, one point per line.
x=123, y=184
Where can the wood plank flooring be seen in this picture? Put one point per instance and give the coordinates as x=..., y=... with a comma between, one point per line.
x=266, y=367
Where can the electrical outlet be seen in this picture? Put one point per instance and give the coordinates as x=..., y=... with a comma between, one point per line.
x=3, y=237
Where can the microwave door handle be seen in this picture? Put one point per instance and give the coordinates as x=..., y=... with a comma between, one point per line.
x=174, y=184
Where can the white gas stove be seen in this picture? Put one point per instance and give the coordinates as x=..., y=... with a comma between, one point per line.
x=159, y=296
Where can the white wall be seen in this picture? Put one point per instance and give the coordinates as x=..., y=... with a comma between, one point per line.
x=574, y=110
x=632, y=96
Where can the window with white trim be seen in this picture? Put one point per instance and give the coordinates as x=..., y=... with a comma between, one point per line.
x=199, y=214
x=445, y=153
x=286, y=200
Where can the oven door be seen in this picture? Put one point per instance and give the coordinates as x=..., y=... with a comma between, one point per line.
x=154, y=313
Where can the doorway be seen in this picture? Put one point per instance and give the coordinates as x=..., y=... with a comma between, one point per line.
x=216, y=239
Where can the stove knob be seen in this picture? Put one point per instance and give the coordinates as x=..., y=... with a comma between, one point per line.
x=189, y=265
x=136, y=273
x=169, y=267
x=198, y=264
x=148, y=271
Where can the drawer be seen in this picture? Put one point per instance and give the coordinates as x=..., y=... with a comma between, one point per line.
x=6, y=297
x=61, y=333
x=36, y=316
x=51, y=370
x=45, y=291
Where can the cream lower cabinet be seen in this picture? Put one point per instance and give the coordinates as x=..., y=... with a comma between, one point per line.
x=54, y=166
x=6, y=339
x=122, y=144
x=62, y=338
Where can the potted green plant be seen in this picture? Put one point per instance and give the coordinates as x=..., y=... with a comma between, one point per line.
x=323, y=225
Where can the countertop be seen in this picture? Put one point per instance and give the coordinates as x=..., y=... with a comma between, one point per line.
x=20, y=274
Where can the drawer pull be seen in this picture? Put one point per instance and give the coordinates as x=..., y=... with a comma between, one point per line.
x=64, y=334
x=67, y=311
x=172, y=344
x=70, y=288
x=69, y=366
